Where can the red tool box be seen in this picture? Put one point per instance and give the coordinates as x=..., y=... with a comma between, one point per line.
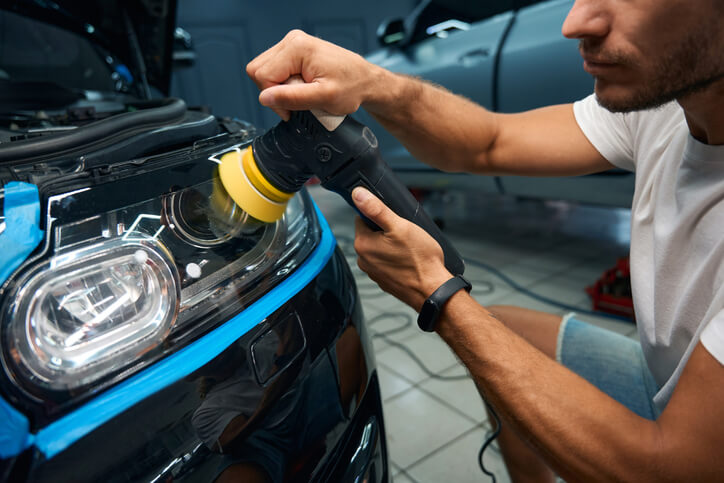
x=612, y=292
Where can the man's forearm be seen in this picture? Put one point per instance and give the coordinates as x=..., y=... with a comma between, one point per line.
x=581, y=432
x=439, y=128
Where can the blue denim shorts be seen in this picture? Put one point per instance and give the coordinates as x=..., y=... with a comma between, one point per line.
x=610, y=361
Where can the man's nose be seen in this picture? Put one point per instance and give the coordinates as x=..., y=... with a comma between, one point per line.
x=587, y=19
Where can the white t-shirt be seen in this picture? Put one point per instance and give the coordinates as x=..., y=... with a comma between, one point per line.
x=677, y=232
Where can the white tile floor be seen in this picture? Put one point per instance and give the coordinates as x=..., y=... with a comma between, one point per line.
x=436, y=427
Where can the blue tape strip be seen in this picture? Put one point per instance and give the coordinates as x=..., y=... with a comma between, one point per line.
x=57, y=436
x=20, y=237
x=14, y=433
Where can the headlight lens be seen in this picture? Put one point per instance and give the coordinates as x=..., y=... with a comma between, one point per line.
x=93, y=308
x=122, y=288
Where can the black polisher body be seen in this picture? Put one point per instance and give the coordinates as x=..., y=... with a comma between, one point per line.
x=293, y=151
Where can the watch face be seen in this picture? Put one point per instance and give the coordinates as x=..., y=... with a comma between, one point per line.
x=428, y=315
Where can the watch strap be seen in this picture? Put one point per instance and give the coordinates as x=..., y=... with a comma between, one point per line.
x=430, y=311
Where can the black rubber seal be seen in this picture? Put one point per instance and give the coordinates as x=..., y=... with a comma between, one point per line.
x=169, y=110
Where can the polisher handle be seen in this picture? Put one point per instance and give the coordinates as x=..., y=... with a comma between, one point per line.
x=398, y=198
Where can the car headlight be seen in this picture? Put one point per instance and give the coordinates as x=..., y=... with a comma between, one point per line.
x=118, y=289
x=87, y=310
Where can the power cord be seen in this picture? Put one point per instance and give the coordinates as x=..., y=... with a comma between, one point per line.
x=489, y=438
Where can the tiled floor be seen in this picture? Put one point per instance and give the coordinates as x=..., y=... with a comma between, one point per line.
x=436, y=427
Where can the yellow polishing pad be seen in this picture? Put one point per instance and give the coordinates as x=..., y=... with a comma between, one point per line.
x=248, y=187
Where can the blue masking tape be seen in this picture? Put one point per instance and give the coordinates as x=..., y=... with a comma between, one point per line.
x=14, y=431
x=17, y=241
x=21, y=235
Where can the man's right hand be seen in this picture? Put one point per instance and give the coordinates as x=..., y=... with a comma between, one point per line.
x=336, y=80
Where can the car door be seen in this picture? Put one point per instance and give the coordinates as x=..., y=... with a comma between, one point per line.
x=540, y=67
x=458, y=55
x=513, y=61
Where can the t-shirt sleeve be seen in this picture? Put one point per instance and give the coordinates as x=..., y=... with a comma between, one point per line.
x=712, y=337
x=607, y=131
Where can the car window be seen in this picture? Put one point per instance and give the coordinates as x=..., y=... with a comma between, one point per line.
x=471, y=10
x=525, y=3
x=34, y=51
x=433, y=12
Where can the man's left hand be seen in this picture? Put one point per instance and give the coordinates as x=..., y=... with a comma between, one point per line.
x=403, y=259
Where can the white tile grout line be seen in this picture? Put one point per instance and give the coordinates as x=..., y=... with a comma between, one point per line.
x=407, y=475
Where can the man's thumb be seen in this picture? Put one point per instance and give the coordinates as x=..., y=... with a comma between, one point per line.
x=374, y=209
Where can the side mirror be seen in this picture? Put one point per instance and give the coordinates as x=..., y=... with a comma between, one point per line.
x=184, y=54
x=391, y=32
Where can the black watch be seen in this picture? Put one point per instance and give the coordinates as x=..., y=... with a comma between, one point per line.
x=432, y=307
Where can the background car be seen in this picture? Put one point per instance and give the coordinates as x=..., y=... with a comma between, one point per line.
x=148, y=332
x=507, y=55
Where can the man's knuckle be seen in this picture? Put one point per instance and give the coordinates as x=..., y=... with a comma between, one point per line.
x=296, y=36
x=403, y=232
x=359, y=244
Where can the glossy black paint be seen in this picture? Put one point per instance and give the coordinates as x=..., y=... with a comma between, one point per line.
x=220, y=424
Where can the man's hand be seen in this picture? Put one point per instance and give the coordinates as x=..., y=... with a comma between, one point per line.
x=403, y=259
x=336, y=80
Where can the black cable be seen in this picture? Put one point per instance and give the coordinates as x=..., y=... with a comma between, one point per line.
x=137, y=54
x=489, y=439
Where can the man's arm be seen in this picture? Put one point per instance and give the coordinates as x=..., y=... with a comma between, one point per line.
x=439, y=128
x=582, y=433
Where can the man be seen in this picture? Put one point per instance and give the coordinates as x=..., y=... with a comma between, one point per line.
x=658, y=409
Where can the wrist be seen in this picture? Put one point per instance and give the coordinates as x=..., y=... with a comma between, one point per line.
x=453, y=316
x=431, y=283
x=433, y=307
x=387, y=92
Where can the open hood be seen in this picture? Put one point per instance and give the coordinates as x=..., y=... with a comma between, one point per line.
x=122, y=27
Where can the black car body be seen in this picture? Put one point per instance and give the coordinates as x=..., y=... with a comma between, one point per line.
x=145, y=336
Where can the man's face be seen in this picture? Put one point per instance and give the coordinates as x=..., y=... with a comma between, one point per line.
x=644, y=53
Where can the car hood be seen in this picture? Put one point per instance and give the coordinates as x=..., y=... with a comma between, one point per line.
x=105, y=22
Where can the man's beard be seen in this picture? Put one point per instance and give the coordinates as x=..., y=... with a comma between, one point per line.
x=690, y=69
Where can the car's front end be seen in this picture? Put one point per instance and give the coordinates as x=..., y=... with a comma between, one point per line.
x=148, y=332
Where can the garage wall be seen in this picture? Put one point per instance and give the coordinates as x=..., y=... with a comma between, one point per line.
x=227, y=34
